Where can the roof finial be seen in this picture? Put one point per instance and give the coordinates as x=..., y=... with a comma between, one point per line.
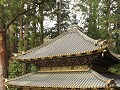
x=73, y=27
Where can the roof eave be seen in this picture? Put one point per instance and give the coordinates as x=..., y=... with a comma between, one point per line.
x=77, y=54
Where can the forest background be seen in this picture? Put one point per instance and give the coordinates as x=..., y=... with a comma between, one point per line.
x=25, y=24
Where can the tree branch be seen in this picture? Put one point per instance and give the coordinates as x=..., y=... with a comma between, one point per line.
x=14, y=18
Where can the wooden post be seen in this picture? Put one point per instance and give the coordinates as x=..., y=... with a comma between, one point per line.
x=3, y=66
x=24, y=68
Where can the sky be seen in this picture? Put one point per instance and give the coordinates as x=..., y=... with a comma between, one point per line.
x=49, y=24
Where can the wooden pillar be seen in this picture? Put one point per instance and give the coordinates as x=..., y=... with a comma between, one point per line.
x=24, y=68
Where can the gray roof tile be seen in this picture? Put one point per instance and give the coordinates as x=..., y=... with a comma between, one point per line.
x=71, y=42
x=111, y=76
x=67, y=79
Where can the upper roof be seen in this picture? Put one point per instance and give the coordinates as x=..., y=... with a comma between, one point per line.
x=65, y=79
x=73, y=41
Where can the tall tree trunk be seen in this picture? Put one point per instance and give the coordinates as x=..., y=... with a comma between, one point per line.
x=118, y=27
x=109, y=23
x=90, y=20
x=21, y=34
x=11, y=39
x=21, y=42
x=59, y=18
x=26, y=35
x=41, y=23
x=3, y=65
x=24, y=67
x=21, y=27
x=34, y=44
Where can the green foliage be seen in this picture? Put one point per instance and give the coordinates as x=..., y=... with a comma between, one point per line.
x=102, y=19
x=115, y=69
x=2, y=1
x=116, y=38
x=15, y=69
x=97, y=19
x=90, y=9
x=33, y=68
x=21, y=44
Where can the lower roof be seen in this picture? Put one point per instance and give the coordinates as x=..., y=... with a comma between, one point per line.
x=67, y=79
x=111, y=75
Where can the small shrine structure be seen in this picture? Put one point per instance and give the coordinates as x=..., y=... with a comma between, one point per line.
x=71, y=61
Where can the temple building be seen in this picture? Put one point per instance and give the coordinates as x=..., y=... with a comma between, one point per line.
x=71, y=61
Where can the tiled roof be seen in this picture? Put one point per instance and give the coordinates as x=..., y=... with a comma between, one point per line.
x=115, y=55
x=110, y=75
x=73, y=41
x=67, y=79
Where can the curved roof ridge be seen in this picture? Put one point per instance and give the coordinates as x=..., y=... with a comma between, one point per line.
x=114, y=54
x=76, y=28
x=86, y=37
x=106, y=80
x=99, y=75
